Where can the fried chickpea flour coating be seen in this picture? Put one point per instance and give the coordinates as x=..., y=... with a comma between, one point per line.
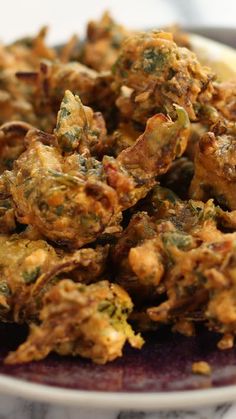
x=72, y=199
x=117, y=193
x=81, y=320
x=152, y=73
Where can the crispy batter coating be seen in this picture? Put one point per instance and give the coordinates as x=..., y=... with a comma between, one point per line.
x=90, y=321
x=23, y=55
x=26, y=53
x=7, y=211
x=72, y=200
x=184, y=255
x=140, y=228
x=224, y=99
x=142, y=256
x=202, y=287
x=12, y=144
x=104, y=39
x=30, y=267
x=152, y=72
x=78, y=127
x=214, y=175
x=48, y=84
x=14, y=99
x=69, y=205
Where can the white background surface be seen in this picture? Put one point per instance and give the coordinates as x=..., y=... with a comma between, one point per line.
x=65, y=17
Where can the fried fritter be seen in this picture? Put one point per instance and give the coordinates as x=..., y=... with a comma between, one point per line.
x=26, y=53
x=14, y=99
x=48, y=85
x=140, y=228
x=90, y=321
x=104, y=39
x=224, y=99
x=152, y=72
x=142, y=255
x=181, y=254
x=150, y=156
x=79, y=128
x=12, y=144
x=24, y=56
x=30, y=267
x=214, y=175
x=200, y=285
x=7, y=210
x=71, y=200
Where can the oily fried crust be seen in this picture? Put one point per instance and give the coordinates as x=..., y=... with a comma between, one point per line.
x=224, y=99
x=214, y=175
x=12, y=143
x=72, y=198
x=30, y=267
x=103, y=43
x=80, y=320
x=152, y=72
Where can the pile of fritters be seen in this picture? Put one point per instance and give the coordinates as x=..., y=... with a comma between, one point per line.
x=117, y=192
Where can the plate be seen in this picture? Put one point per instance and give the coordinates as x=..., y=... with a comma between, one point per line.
x=157, y=377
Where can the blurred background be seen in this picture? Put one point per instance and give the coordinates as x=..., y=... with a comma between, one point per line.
x=66, y=17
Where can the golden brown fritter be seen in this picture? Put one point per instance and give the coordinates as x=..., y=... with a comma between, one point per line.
x=224, y=99
x=67, y=208
x=140, y=228
x=72, y=200
x=70, y=51
x=141, y=255
x=214, y=175
x=7, y=210
x=79, y=128
x=180, y=254
x=12, y=144
x=104, y=39
x=200, y=285
x=188, y=216
x=48, y=85
x=23, y=55
x=26, y=53
x=90, y=321
x=150, y=156
x=152, y=72
x=14, y=99
x=30, y=267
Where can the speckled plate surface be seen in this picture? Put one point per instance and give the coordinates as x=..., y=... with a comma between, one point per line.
x=158, y=376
